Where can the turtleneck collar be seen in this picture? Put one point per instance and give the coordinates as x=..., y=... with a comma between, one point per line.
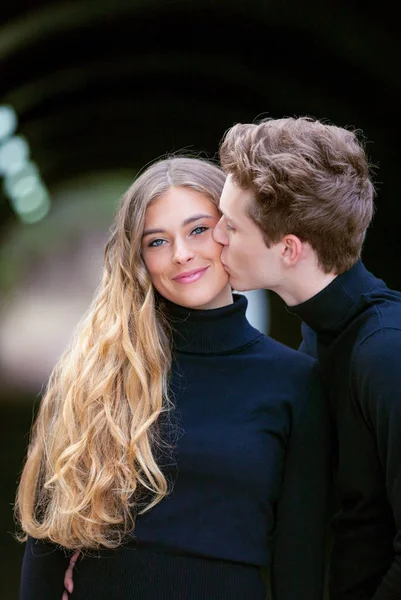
x=215, y=331
x=330, y=310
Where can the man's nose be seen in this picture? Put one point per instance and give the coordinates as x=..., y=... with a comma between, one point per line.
x=182, y=252
x=219, y=233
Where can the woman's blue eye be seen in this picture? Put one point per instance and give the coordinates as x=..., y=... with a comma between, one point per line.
x=156, y=243
x=199, y=229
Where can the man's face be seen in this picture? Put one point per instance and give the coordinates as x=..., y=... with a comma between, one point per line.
x=248, y=261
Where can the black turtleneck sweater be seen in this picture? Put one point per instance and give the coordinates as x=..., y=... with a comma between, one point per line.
x=353, y=326
x=249, y=465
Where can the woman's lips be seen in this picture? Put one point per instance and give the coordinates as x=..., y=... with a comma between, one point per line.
x=190, y=276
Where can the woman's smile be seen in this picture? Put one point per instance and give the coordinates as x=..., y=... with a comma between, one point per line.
x=190, y=276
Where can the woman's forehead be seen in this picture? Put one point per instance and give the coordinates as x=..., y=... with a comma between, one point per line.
x=178, y=204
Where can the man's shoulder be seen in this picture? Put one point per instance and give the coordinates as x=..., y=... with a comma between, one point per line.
x=379, y=325
x=383, y=342
x=389, y=311
x=381, y=307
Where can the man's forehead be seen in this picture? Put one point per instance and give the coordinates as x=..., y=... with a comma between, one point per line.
x=233, y=198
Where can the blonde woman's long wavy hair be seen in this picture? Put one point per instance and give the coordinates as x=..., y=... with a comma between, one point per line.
x=92, y=460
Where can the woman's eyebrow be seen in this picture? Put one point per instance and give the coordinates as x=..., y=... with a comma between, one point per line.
x=196, y=218
x=151, y=231
x=186, y=221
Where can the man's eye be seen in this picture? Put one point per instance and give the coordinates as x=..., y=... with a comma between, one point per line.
x=199, y=230
x=156, y=243
x=229, y=228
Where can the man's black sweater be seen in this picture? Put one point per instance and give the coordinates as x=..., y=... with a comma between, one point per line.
x=353, y=326
x=250, y=471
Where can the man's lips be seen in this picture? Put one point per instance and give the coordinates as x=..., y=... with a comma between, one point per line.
x=190, y=276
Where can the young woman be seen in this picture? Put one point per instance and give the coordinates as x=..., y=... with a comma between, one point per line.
x=176, y=447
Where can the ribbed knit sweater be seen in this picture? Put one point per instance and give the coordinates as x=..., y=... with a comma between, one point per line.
x=353, y=326
x=249, y=467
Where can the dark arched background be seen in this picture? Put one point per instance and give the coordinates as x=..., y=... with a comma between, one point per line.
x=98, y=85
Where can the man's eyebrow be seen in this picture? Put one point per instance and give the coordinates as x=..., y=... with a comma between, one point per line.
x=224, y=214
x=227, y=217
x=186, y=221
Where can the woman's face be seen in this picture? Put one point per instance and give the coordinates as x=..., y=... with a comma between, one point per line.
x=179, y=251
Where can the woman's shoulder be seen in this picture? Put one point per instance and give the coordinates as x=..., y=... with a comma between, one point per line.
x=271, y=349
x=274, y=362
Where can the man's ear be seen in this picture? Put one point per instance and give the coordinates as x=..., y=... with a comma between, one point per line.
x=292, y=248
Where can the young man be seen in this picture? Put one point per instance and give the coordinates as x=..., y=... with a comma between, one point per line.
x=296, y=206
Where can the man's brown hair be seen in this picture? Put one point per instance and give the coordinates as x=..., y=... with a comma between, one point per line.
x=310, y=179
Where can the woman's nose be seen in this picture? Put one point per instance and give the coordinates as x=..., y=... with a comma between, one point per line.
x=182, y=253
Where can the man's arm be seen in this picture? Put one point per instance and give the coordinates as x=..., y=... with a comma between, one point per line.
x=299, y=547
x=377, y=372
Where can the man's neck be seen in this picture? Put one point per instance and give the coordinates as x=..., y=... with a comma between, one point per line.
x=302, y=284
